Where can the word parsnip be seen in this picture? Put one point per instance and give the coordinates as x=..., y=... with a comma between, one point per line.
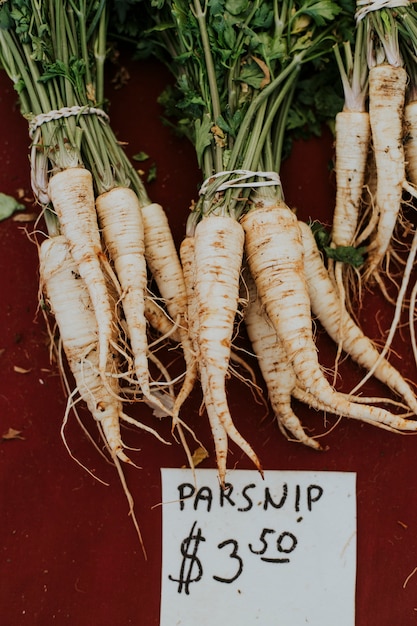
x=278, y=551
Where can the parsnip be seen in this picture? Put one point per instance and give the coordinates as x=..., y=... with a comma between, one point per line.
x=218, y=257
x=70, y=303
x=275, y=256
x=165, y=267
x=121, y=222
x=72, y=195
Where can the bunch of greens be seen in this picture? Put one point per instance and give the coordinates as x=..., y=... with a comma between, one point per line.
x=269, y=31
x=245, y=74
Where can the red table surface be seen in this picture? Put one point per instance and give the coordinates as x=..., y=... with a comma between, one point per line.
x=69, y=553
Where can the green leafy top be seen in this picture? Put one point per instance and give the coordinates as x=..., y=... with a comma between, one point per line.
x=236, y=65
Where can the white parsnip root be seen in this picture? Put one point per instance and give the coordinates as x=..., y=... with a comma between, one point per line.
x=72, y=195
x=187, y=256
x=218, y=255
x=121, y=222
x=277, y=372
x=165, y=267
x=70, y=303
x=351, y=155
x=275, y=256
x=387, y=85
x=339, y=325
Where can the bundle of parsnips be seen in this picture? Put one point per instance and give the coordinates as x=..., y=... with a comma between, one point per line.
x=373, y=222
x=104, y=236
x=236, y=67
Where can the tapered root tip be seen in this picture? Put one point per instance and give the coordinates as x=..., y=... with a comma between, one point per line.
x=123, y=457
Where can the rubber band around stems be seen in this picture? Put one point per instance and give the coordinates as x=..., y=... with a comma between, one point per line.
x=57, y=114
x=366, y=6
x=272, y=179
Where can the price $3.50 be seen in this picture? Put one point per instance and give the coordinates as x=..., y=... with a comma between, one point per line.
x=271, y=548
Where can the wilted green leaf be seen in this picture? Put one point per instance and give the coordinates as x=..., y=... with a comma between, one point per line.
x=343, y=254
x=140, y=156
x=8, y=205
x=252, y=75
x=347, y=254
x=152, y=173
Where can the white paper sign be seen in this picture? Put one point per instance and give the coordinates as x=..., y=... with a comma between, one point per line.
x=274, y=552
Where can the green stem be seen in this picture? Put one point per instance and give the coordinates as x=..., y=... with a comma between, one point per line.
x=263, y=95
x=281, y=122
x=211, y=75
x=100, y=55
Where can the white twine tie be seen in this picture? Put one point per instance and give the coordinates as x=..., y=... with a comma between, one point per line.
x=377, y=5
x=271, y=178
x=57, y=114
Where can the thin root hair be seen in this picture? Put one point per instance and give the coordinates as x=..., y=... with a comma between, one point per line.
x=130, y=503
x=71, y=407
x=130, y=420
